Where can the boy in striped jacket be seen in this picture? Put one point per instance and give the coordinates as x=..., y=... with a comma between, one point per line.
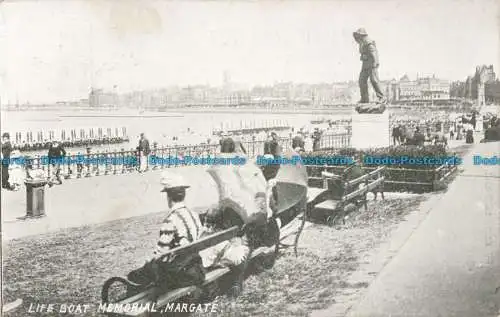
x=180, y=227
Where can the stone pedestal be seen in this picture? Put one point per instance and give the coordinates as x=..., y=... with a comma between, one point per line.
x=370, y=130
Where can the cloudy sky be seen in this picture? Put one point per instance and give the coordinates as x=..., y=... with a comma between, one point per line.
x=56, y=50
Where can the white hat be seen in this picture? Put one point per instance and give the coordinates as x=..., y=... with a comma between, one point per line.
x=172, y=180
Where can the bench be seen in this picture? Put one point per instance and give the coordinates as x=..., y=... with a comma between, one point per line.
x=154, y=294
x=338, y=192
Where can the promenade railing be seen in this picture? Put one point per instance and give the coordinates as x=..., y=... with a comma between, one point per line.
x=127, y=161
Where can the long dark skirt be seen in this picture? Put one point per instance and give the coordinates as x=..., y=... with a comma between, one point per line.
x=469, y=139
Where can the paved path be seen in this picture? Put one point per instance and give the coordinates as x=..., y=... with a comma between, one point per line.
x=98, y=199
x=450, y=265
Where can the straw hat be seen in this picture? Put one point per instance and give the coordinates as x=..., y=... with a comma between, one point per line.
x=171, y=180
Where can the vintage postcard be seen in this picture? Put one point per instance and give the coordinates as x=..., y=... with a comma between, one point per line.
x=250, y=158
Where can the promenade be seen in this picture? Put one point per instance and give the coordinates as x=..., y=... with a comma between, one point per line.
x=80, y=202
x=450, y=264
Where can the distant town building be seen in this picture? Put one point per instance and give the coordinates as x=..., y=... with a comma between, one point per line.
x=324, y=94
x=492, y=92
x=283, y=90
x=481, y=87
x=392, y=90
x=237, y=98
x=484, y=74
x=261, y=91
x=423, y=88
x=100, y=98
x=433, y=88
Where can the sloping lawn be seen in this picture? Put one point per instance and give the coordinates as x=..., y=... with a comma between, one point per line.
x=70, y=266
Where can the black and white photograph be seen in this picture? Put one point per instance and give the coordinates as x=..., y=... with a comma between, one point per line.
x=266, y=158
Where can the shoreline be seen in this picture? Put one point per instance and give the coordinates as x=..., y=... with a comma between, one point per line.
x=180, y=111
x=173, y=112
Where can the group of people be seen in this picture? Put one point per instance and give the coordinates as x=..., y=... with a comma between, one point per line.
x=464, y=127
x=401, y=134
x=413, y=135
x=461, y=128
x=182, y=226
x=15, y=170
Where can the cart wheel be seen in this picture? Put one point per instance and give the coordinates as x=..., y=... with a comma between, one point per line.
x=118, y=288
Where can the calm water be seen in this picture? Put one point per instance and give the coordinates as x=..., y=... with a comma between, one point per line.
x=158, y=126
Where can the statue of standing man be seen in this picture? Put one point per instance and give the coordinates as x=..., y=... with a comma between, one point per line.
x=369, y=68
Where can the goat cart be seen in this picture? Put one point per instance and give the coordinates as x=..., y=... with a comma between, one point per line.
x=343, y=193
x=290, y=191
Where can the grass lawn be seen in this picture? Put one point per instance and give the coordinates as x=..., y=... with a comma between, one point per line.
x=69, y=266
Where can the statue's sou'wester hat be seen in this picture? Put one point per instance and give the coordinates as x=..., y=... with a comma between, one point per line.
x=360, y=31
x=170, y=180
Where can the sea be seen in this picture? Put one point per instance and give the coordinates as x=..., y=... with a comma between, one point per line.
x=188, y=126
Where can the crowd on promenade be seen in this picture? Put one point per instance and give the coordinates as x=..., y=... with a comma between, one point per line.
x=57, y=164
x=439, y=129
x=13, y=175
x=308, y=138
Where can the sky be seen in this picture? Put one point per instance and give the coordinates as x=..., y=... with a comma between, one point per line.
x=57, y=50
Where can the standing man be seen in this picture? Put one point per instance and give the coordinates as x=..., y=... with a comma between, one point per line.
x=316, y=139
x=473, y=121
x=238, y=143
x=369, y=68
x=271, y=146
x=56, y=155
x=144, y=150
x=396, y=134
x=418, y=137
x=272, y=150
x=298, y=143
x=6, y=150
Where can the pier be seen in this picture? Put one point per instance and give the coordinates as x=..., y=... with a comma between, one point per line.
x=252, y=127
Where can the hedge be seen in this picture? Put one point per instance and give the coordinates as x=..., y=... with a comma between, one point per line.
x=414, y=174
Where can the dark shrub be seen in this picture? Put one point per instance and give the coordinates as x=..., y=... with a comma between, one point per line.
x=417, y=176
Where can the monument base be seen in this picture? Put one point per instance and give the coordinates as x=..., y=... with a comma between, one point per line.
x=370, y=130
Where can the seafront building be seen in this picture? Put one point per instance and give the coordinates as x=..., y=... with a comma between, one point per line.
x=420, y=89
x=483, y=87
x=278, y=95
x=480, y=88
